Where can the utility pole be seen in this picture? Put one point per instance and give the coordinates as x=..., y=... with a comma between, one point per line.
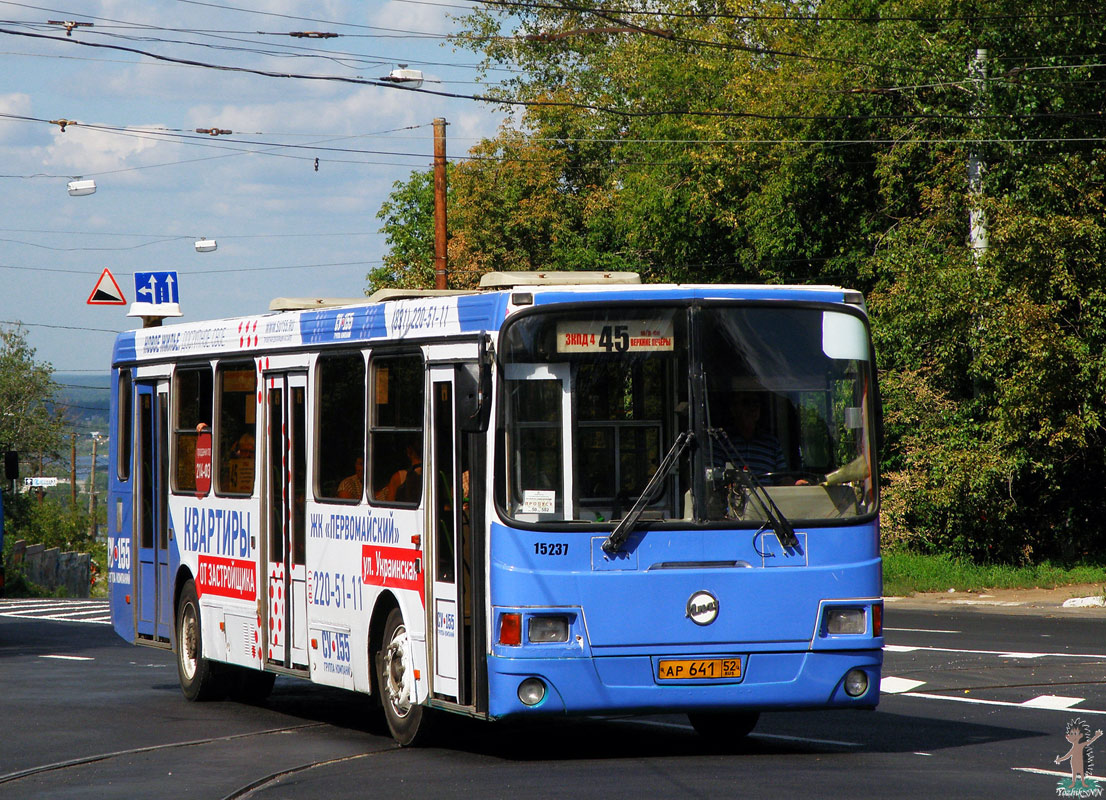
x=92, y=490
x=977, y=218
x=73, y=471
x=440, y=257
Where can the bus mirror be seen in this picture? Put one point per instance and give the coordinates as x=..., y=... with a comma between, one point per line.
x=473, y=381
x=11, y=465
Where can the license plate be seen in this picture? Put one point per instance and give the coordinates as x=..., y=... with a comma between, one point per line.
x=682, y=669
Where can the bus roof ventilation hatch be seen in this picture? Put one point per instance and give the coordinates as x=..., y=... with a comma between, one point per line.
x=306, y=303
x=509, y=280
x=380, y=295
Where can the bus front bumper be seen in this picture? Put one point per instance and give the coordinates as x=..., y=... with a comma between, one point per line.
x=630, y=684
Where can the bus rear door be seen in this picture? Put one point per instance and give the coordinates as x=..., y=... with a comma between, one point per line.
x=283, y=497
x=153, y=588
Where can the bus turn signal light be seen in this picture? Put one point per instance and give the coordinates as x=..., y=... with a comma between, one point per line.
x=510, y=629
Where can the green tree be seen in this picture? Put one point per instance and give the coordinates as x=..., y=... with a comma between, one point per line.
x=28, y=421
x=828, y=142
x=408, y=217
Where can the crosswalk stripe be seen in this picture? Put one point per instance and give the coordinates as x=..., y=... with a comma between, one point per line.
x=91, y=611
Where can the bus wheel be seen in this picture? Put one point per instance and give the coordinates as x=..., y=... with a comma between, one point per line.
x=200, y=679
x=407, y=720
x=724, y=727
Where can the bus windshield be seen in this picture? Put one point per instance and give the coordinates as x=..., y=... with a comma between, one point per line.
x=777, y=402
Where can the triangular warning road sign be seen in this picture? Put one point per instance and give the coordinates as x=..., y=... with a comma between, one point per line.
x=107, y=292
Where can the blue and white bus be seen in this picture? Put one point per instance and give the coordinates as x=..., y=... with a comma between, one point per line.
x=561, y=494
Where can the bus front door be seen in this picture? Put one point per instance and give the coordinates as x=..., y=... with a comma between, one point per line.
x=450, y=605
x=284, y=489
x=153, y=589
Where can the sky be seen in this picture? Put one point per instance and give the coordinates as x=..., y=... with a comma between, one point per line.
x=285, y=225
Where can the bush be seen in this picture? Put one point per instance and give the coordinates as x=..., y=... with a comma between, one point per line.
x=51, y=524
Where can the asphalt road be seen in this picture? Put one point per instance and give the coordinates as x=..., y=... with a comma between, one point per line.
x=975, y=704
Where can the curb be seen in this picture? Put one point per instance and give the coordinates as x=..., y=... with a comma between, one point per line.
x=1000, y=601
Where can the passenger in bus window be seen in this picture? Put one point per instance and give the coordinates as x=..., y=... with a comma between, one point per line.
x=405, y=485
x=351, y=487
x=244, y=447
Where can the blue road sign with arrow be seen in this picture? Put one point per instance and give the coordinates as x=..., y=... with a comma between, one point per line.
x=156, y=288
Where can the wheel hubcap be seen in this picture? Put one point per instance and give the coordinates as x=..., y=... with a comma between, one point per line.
x=188, y=643
x=397, y=673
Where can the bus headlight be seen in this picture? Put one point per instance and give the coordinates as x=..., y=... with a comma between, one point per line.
x=531, y=691
x=547, y=629
x=845, y=621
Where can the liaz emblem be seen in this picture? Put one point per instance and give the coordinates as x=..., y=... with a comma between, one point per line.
x=702, y=608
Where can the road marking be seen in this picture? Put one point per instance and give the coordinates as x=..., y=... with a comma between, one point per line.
x=807, y=739
x=777, y=736
x=1053, y=701
x=999, y=653
x=91, y=611
x=892, y=685
x=1001, y=703
x=70, y=658
x=899, y=648
x=1054, y=773
x=918, y=630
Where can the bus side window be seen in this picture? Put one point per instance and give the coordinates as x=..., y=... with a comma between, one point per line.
x=125, y=423
x=340, y=449
x=237, y=384
x=192, y=389
x=396, y=433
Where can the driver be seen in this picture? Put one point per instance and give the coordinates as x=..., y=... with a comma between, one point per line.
x=759, y=448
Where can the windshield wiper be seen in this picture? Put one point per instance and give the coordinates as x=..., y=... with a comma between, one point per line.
x=613, y=543
x=785, y=532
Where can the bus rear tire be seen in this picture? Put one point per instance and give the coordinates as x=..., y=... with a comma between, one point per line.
x=724, y=727
x=200, y=679
x=408, y=721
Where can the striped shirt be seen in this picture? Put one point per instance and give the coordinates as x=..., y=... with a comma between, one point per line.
x=762, y=453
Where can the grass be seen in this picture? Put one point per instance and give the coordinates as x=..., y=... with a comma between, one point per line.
x=906, y=573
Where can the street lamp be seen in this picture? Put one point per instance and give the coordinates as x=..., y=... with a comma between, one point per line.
x=80, y=188
x=407, y=78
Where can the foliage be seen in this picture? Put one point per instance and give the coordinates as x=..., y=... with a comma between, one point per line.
x=48, y=522
x=409, y=230
x=828, y=142
x=28, y=424
x=17, y=585
x=53, y=524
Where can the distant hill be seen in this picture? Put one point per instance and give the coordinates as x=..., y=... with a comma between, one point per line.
x=85, y=398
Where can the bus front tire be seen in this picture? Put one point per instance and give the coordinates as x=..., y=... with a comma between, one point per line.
x=200, y=679
x=408, y=721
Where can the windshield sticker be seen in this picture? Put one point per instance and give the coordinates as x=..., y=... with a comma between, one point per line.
x=539, y=501
x=617, y=336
